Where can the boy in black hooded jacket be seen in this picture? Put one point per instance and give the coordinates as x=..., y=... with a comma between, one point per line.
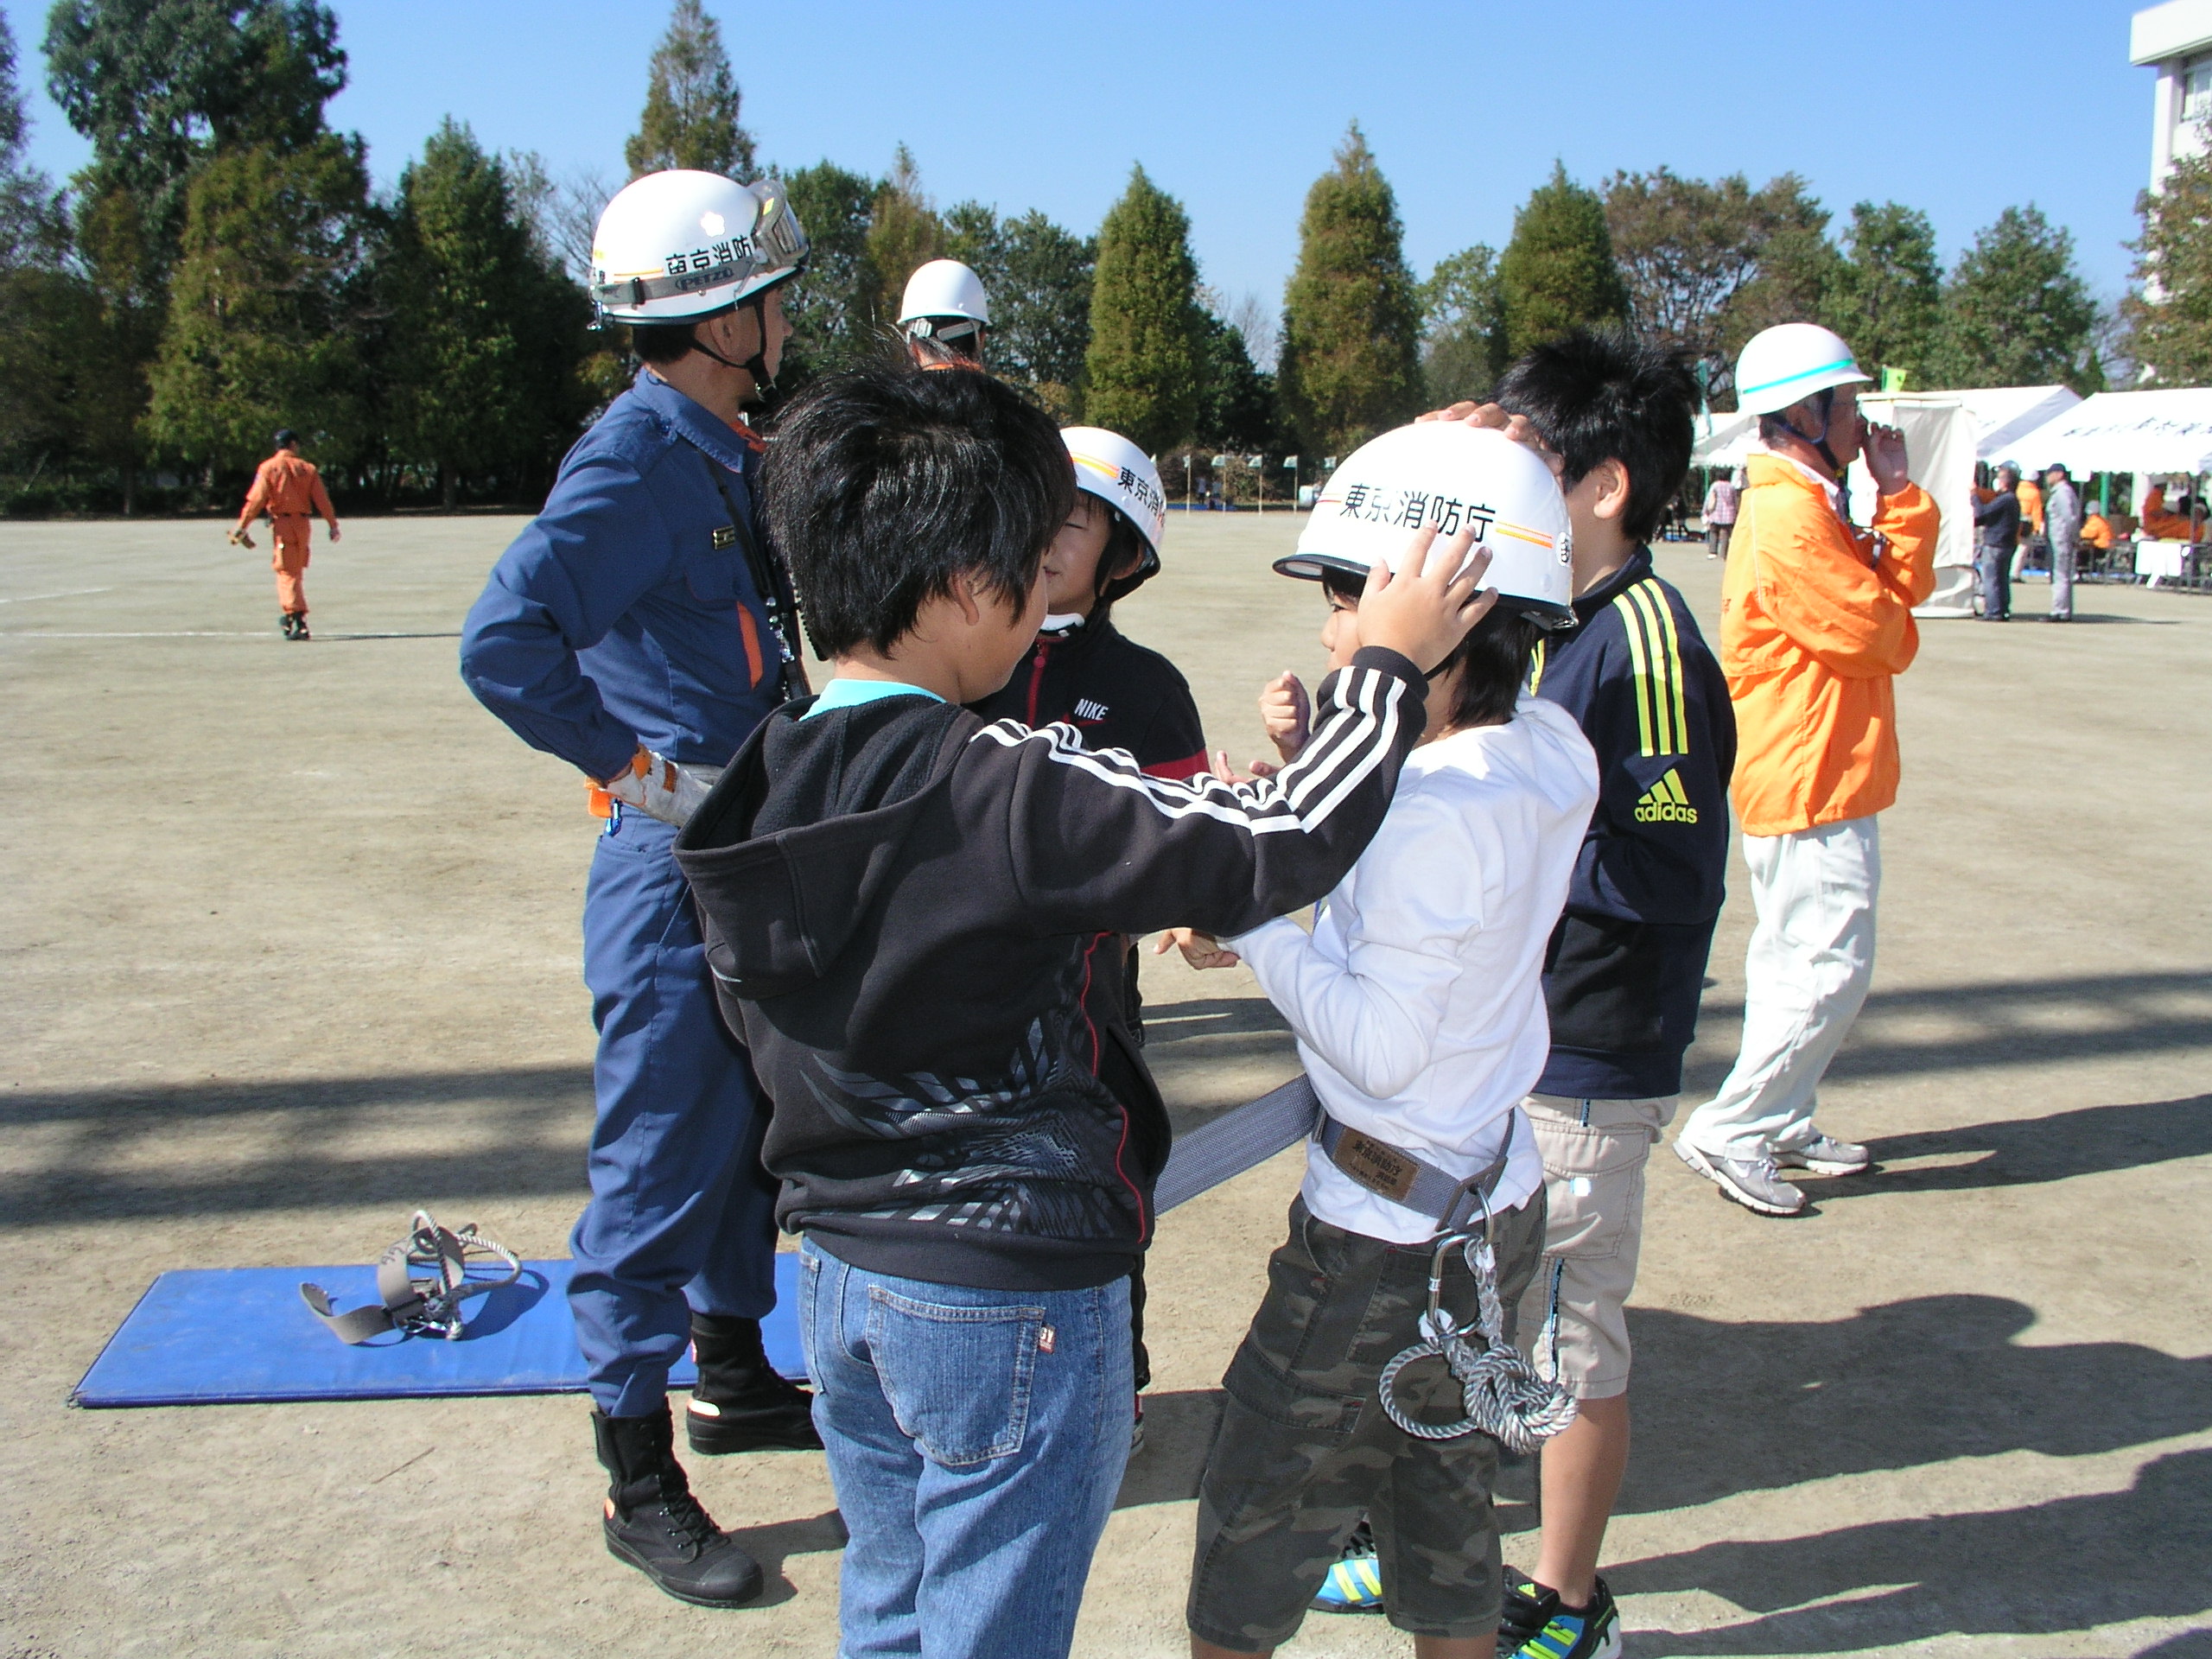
x=904, y=905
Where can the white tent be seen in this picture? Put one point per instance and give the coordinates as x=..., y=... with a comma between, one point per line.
x=1724, y=439
x=2004, y=415
x=2165, y=430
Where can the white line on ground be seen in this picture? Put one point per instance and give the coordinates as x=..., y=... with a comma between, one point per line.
x=71, y=593
x=198, y=633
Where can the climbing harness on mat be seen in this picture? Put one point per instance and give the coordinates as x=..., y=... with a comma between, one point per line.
x=421, y=1307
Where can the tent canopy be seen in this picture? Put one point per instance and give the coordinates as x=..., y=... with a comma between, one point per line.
x=2002, y=416
x=2165, y=430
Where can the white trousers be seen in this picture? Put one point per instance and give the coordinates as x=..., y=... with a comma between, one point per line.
x=1806, y=974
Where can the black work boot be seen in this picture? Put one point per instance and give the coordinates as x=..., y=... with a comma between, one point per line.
x=654, y=1524
x=300, y=626
x=285, y=620
x=741, y=1403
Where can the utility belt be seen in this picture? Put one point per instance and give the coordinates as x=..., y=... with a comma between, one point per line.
x=1254, y=1133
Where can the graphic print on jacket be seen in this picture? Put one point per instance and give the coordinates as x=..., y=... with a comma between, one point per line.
x=910, y=916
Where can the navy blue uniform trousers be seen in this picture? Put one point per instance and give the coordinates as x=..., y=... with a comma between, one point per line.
x=681, y=1216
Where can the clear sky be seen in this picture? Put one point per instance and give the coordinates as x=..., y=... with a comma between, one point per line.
x=1957, y=107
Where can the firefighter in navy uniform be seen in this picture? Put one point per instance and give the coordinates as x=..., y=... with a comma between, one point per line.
x=640, y=629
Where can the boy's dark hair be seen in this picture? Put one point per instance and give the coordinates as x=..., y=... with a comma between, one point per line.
x=1495, y=654
x=886, y=483
x=1597, y=395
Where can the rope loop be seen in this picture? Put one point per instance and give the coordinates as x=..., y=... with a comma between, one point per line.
x=1500, y=1394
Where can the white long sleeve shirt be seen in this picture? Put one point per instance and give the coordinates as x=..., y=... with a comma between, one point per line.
x=1418, y=998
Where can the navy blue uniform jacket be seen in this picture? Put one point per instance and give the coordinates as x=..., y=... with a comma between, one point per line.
x=1622, y=976
x=626, y=613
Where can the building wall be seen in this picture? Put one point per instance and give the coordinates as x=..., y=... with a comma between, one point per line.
x=2176, y=41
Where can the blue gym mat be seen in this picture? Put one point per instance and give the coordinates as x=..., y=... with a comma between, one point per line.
x=232, y=1336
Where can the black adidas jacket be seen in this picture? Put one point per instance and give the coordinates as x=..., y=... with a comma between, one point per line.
x=904, y=907
x=1119, y=695
x=1626, y=964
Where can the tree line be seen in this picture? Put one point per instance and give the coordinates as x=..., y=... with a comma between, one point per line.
x=222, y=267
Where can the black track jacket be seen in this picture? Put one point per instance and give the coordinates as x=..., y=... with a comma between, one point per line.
x=906, y=907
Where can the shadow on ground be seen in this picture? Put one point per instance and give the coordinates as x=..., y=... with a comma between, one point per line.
x=127, y=1151
x=1723, y=1408
x=2068, y=1565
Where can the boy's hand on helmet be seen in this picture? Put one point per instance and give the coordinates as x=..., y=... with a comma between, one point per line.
x=1288, y=713
x=1424, y=611
x=1494, y=417
x=1200, y=950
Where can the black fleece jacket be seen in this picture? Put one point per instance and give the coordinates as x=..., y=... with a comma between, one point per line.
x=909, y=914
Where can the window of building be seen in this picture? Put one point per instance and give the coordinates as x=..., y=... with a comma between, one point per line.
x=2196, y=92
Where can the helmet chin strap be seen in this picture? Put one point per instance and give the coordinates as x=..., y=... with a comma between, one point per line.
x=755, y=366
x=1820, y=443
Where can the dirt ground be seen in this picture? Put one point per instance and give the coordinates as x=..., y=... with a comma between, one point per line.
x=291, y=946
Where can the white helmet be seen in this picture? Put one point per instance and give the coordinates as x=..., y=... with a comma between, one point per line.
x=1783, y=364
x=679, y=246
x=943, y=288
x=1121, y=475
x=1453, y=477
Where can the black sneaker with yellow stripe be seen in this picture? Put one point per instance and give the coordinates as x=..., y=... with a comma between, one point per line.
x=1535, y=1625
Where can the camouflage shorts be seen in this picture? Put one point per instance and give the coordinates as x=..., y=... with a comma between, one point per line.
x=1305, y=1447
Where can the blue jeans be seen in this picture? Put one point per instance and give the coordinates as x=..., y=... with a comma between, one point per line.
x=976, y=1440
x=681, y=1216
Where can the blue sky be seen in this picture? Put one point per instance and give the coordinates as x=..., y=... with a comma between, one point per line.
x=1956, y=107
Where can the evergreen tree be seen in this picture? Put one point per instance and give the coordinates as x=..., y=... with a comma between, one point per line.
x=160, y=86
x=904, y=232
x=2016, y=312
x=34, y=230
x=691, y=103
x=487, y=331
x=833, y=308
x=1038, y=276
x=1351, y=324
x=1463, y=327
x=258, y=333
x=1236, y=404
x=1040, y=310
x=1557, y=271
x=1888, y=289
x=1143, y=360
x=2170, y=318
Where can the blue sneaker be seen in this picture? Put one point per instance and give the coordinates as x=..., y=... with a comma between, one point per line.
x=1354, y=1583
x=1534, y=1626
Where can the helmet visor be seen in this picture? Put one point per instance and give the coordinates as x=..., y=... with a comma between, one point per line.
x=776, y=245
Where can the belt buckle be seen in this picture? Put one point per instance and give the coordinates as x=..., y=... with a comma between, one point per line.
x=1376, y=1165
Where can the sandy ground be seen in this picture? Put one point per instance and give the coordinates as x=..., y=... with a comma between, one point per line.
x=289, y=939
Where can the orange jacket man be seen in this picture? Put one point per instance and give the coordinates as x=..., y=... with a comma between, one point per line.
x=1815, y=619
x=290, y=492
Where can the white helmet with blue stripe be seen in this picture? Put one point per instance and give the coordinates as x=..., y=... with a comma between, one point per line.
x=1789, y=362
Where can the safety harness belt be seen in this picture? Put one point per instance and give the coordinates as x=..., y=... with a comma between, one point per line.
x=428, y=1306
x=1249, y=1136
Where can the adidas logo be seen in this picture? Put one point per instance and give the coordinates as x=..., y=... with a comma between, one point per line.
x=1665, y=802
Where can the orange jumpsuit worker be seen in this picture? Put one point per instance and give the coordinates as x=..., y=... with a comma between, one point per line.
x=290, y=492
x=2096, y=531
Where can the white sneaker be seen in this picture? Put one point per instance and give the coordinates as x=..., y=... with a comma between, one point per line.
x=1825, y=1155
x=1752, y=1182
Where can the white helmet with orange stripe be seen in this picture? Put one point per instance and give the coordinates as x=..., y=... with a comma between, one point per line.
x=1451, y=477
x=1109, y=467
